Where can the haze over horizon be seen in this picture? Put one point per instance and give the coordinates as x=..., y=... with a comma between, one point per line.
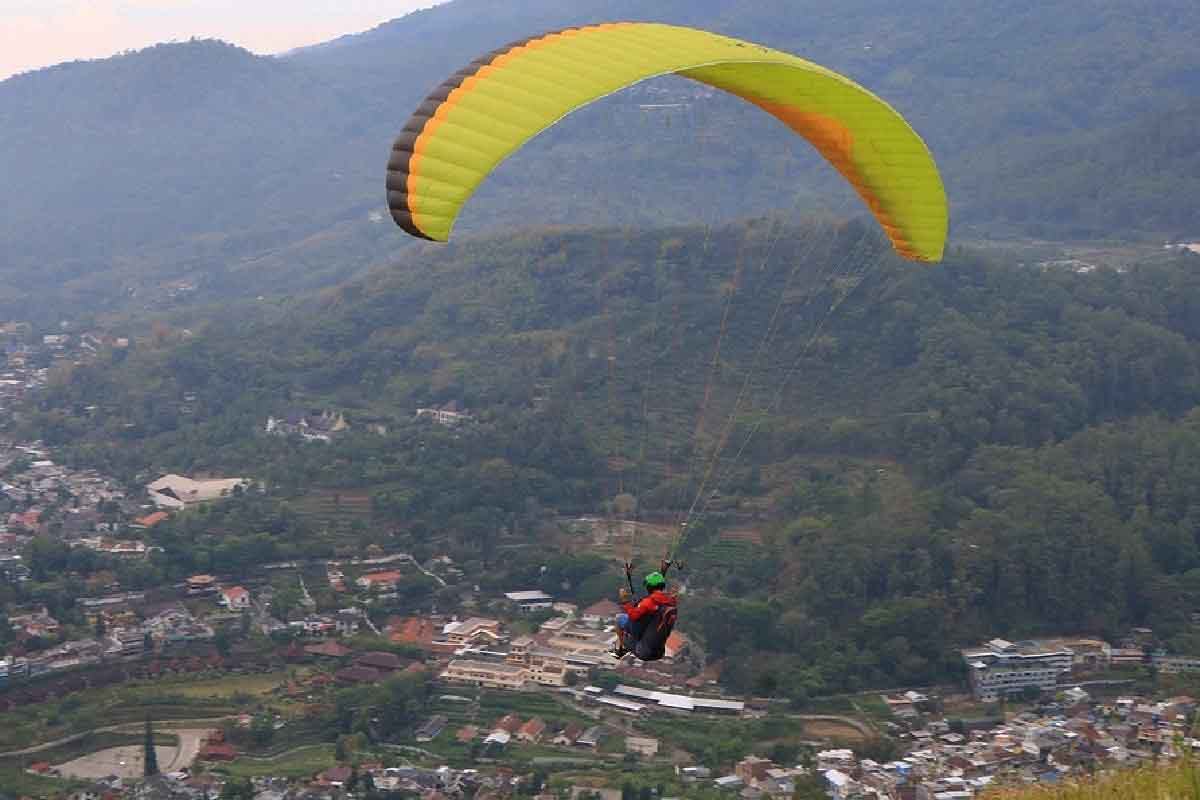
x=41, y=33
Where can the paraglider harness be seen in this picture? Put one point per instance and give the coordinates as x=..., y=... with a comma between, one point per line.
x=655, y=629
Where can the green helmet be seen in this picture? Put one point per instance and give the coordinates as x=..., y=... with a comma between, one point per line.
x=655, y=580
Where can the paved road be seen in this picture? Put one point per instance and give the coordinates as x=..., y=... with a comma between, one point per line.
x=189, y=746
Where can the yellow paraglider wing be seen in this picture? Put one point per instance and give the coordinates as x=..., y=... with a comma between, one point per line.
x=489, y=109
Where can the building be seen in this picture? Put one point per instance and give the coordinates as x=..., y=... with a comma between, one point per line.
x=532, y=730
x=309, y=427
x=447, y=415
x=176, y=491
x=431, y=728
x=644, y=746
x=530, y=600
x=1174, y=665
x=235, y=598
x=380, y=581
x=681, y=702
x=484, y=674
x=201, y=584
x=590, y=738
x=150, y=520
x=1001, y=668
x=600, y=613
x=127, y=642
x=471, y=630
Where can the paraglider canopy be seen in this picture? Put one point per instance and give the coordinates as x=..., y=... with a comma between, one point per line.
x=490, y=108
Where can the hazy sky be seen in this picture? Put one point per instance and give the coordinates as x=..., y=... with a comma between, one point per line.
x=38, y=33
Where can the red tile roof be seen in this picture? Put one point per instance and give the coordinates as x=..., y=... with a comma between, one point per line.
x=150, y=520
x=603, y=608
x=328, y=649
x=218, y=752
x=382, y=577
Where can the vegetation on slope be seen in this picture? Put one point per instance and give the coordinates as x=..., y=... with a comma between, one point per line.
x=199, y=163
x=940, y=454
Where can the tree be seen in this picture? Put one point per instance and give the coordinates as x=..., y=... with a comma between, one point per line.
x=262, y=729
x=149, y=754
x=238, y=789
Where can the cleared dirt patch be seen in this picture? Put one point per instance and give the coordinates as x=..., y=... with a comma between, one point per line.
x=823, y=729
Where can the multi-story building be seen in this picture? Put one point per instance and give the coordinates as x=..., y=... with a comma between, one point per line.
x=487, y=675
x=1000, y=668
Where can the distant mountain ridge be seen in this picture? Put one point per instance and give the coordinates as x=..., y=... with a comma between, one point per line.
x=201, y=163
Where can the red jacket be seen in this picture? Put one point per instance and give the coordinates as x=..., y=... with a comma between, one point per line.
x=649, y=605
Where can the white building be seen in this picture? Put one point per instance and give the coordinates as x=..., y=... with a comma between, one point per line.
x=530, y=600
x=1000, y=668
x=177, y=491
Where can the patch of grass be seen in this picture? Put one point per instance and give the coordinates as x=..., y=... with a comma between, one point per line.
x=222, y=688
x=301, y=762
x=17, y=781
x=1179, y=780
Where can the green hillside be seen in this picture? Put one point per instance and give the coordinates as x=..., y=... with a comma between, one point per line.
x=926, y=455
x=198, y=164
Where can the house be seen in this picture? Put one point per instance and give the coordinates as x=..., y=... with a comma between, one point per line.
x=380, y=581
x=677, y=646
x=309, y=427
x=150, y=520
x=447, y=415
x=590, y=738
x=201, y=584
x=347, y=621
x=532, y=730
x=509, y=723
x=235, y=598
x=37, y=623
x=127, y=642
x=753, y=769
x=644, y=746
x=529, y=600
x=430, y=728
x=600, y=613
x=217, y=751
x=471, y=630
x=567, y=736
x=335, y=776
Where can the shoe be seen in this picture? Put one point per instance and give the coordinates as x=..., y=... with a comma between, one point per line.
x=619, y=653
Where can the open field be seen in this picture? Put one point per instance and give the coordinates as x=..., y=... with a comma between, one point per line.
x=335, y=508
x=829, y=729
x=226, y=687
x=124, y=762
x=162, y=700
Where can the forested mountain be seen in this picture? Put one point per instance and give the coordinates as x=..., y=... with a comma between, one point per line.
x=928, y=455
x=198, y=164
